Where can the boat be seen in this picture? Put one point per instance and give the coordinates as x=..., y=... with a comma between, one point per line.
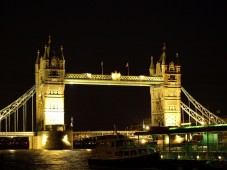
x=121, y=152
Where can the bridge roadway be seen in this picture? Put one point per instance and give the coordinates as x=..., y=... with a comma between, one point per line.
x=114, y=79
x=17, y=134
x=87, y=134
x=79, y=134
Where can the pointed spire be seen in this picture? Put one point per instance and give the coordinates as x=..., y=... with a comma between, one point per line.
x=45, y=52
x=177, y=60
x=152, y=69
x=38, y=57
x=163, y=55
x=164, y=47
x=152, y=63
x=48, y=47
x=62, y=54
x=49, y=41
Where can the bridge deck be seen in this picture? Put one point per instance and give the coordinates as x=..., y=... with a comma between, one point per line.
x=91, y=79
x=16, y=134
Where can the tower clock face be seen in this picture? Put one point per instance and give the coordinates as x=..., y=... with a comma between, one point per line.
x=54, y=62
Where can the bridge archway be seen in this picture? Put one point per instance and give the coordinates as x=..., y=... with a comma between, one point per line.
x=164, y=82
x=132, y=108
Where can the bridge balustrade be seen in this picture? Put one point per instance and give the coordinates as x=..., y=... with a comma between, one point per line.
x=109, y=77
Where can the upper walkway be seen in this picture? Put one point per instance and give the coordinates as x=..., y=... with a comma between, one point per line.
x=114, y=79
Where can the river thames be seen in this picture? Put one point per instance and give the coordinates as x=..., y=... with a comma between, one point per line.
x=77, y=159
x=44, y=159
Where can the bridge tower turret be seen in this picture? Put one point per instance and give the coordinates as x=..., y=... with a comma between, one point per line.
x=50, y=72
x=166, y=97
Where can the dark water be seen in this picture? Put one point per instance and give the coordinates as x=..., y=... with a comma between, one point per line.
x=77, y=159
x=44, y=159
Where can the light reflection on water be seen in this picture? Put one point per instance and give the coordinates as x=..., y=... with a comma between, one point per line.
x=45, y=159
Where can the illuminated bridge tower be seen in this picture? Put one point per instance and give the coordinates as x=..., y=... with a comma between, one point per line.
x=166, y=97
x=50, y=72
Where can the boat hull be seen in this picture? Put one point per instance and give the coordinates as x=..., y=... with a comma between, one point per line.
x=140, y=162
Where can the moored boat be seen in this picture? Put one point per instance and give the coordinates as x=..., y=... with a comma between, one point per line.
x=121, y=152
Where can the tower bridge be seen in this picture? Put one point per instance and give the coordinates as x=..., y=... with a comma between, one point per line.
x=164, y=81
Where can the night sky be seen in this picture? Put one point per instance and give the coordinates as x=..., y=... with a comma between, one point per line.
x=115, y=32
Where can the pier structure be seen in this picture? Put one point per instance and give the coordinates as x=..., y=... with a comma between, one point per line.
x=207, y=142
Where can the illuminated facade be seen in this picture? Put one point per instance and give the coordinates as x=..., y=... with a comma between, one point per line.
x=50, y=71
x=166, y=97
x=164, y=82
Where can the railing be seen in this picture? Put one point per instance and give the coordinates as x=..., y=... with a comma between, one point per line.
x=16, y=134
x=115, y=79
x=85, y=134
x=110, y=77
x=194, y=151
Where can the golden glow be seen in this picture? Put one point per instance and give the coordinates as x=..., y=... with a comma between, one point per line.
x=202, y=123
x=44, y=139
x=170, y=120
x=141, y=77
x=186, y=124
x=54, y=118
x=11, y=150
x=179, y=139
x=166, y=139
x=147, y=127
x=66, y=140
x=143, y=141
x=89, y=75
x=116, y=76
x=197, y=156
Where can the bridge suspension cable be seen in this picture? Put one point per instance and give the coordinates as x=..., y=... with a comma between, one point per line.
x=206, y=117
x=192, y=113
x=12, y=108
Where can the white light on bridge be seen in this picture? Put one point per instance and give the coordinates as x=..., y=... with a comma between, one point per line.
x=89, y=75
x=54, y=118
x=44, y=139
x=142, y=77
x=116, y=76
x=66, y=140
x=186, y=124
x=202, y=123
